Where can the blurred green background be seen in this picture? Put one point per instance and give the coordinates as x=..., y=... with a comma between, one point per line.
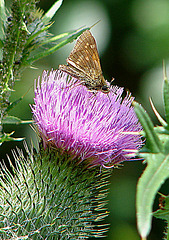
x=132, y=39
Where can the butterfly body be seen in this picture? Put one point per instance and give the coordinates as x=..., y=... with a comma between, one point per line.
x=84, y=64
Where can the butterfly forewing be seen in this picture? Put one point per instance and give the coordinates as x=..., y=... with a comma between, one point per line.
x=84, y=63
x=85, y=56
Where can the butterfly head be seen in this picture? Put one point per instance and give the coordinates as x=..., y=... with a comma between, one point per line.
x=105, y=89
x=104, y=85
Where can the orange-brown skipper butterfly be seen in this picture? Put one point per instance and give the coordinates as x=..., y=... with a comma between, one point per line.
x=84, y=64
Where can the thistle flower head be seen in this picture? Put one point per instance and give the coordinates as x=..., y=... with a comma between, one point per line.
x=96, y=128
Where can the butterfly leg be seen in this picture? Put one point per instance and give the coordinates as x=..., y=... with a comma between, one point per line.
x=74, y=84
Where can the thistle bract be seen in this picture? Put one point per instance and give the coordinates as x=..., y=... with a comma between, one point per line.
x=93, y=127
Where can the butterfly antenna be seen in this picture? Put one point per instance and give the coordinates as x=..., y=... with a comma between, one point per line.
x=87, y=28
x=112, y=80
x=95, y=23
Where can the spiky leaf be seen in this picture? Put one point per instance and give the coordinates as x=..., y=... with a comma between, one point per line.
x=150, y=182
x=157, y=171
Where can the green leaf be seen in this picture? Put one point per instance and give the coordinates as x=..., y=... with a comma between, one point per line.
x=33, y=36
x=152, y=140
x=51, y=12
x=2, y=21
x=14, y=120
x=160, y=119
x=6, y=137
x=151, y=180
x=163, y=134
x=163, y=212
x=2, y=18
x=1, y=44
x=57, y=37
x=13, y=104
x=56, y=47
x=166, y=100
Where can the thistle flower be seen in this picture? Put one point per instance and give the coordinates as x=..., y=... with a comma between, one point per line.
x=96, y=128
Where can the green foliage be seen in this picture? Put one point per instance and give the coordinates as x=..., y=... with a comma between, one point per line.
x=6, y=137
x=14, y=120
x=166, y=98
x=156, y=154
x=163, y=212
x=49, y=196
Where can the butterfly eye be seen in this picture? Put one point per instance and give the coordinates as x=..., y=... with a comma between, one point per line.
x=105, y=89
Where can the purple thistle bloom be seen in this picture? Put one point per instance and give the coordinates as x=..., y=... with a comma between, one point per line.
x=95, y=128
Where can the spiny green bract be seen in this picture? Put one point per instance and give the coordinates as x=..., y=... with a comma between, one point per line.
x=49, y=197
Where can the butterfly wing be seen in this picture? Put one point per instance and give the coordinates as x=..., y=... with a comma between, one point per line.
x=84, y=63
x=85, y=58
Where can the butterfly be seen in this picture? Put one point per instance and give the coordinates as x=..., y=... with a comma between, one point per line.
x=83, y=63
